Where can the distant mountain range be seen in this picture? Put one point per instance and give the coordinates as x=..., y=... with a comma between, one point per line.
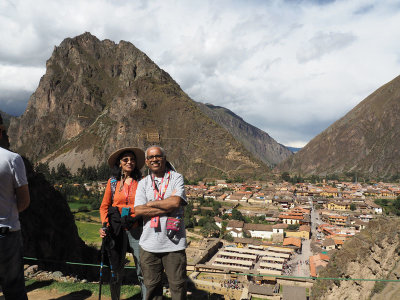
x=365, y=141
x=293, y=149
x=97, y=96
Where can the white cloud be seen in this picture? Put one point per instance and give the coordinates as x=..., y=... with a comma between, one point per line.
x=17, y=83
x=19, y=77
x=289, y=67
x=324, y=43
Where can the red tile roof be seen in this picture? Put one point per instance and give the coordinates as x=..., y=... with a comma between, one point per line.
x=292, y=241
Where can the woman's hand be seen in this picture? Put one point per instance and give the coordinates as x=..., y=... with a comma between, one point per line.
x=102, y=232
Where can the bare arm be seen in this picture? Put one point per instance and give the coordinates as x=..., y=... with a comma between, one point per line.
x=23, y=198
x=155, y=208
x=169, y=204
x=147, y=211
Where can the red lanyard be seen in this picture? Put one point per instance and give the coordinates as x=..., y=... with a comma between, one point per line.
x=157, y=195
x=127, y=193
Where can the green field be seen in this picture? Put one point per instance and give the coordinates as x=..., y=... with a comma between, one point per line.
x=74, y=206
x=89, y=232
x=94, y=213
x=84, y=290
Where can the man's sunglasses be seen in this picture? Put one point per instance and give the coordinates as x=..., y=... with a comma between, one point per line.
x=157, y=157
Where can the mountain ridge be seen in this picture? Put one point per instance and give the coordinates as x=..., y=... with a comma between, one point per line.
x=97, y=96
x=254, y=140
x=364, y=141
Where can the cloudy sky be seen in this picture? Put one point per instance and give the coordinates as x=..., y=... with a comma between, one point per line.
x=290, y=67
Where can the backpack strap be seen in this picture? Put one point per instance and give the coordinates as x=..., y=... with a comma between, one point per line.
x=113, y=185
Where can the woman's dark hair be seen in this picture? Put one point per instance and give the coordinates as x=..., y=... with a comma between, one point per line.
x=116, y=171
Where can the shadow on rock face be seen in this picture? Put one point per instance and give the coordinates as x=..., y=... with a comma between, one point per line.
x=49, y=231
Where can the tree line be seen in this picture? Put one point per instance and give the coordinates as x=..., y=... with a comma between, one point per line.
x=346, y=176
x=66, y=182
x=390, y=206
x=62, y=174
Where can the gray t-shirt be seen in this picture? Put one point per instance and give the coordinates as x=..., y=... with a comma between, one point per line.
x=12, y=176
x=156, y=239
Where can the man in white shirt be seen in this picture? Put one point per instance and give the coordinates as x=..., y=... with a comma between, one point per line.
x=160, y=198
x=14, y=198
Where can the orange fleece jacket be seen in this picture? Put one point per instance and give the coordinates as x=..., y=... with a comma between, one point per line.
x=120, y=199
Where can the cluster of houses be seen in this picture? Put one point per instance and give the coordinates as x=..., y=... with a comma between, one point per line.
x=343, y=210
x=279, y=233
x=283, y=194
x=290, y=204
x=333, y=194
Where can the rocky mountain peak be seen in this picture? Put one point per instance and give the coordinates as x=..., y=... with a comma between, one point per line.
x=97, y=96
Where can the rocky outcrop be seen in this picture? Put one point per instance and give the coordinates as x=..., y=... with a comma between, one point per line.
x=365, y=141
x=97, y=96
x=49, y=231
x=256, y=141
x=371, y=254
x=48, y=228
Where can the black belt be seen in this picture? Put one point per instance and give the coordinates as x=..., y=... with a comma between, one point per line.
x=4, y=230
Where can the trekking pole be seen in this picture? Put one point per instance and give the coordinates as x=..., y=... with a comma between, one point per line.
x=103, y=249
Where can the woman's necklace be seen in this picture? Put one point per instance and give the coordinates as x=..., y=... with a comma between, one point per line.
x=127, y=192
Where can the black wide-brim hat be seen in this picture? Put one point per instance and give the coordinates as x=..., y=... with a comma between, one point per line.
x=139, y=153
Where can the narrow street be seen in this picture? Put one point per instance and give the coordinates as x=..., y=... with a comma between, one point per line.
x=299, y=264
x=315, y=219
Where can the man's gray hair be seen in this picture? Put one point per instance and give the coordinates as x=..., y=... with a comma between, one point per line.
x=155, y=146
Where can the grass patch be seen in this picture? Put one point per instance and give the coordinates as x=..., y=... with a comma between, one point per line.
x=85, y=289
x=74, y=206
x=131, y=260
x=89, y=232
x=94, y=213
x=87, y=216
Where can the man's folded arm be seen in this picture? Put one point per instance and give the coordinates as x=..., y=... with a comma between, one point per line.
x=155, y=208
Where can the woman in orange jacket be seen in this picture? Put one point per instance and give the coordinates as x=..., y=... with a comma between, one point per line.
x=117, y=212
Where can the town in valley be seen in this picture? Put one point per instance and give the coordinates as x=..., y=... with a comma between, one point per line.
x=271, y=239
